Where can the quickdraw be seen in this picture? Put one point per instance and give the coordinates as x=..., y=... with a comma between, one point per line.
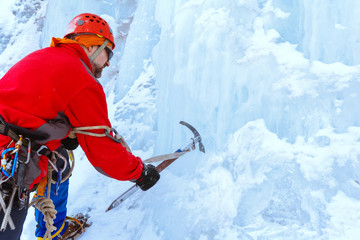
x=59, y=172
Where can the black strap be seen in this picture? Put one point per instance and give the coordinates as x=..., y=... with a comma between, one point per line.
x=4, y=127
x=7, y=130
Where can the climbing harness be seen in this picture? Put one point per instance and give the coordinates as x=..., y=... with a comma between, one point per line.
x=13, y=167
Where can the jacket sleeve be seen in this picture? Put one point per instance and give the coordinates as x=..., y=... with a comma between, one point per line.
x=89, y=108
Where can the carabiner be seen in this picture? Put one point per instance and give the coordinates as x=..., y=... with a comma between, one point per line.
x=3, y=159
x=118, y=140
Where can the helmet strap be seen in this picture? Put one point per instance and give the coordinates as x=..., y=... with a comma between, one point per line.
x=98, y=51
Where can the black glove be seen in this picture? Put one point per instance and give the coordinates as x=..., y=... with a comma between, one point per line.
x=70, y=143
x=148, y=178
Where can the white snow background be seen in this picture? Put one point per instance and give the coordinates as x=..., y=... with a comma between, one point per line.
x=271, y=85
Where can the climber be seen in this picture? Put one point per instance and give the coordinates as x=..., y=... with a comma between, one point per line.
x=45, y=97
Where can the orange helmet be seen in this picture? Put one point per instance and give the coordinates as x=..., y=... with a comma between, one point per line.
x=90, y=23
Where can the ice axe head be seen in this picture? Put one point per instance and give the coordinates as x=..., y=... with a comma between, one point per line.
x=197, y=137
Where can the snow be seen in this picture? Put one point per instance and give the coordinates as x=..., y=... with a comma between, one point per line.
x=271, y=85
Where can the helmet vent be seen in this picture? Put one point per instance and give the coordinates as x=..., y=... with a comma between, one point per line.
x=80, y=22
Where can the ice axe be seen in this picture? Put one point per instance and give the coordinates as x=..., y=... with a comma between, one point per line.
x=181, y=151
x=167, y=160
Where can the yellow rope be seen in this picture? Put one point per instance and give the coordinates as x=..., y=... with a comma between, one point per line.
x=77, y=221
x=55, y=234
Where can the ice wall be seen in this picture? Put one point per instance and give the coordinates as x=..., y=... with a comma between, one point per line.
x=273, y=88
x=221, y=64
x=20, y=24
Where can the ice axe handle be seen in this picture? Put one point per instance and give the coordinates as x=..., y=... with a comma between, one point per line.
x=167, y=162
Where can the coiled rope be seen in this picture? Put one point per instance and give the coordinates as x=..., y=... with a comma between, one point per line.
x=47, y=207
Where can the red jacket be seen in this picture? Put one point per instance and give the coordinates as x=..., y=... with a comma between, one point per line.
x=51, y=90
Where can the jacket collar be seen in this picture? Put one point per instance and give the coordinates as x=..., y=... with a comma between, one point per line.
x=75, y=48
